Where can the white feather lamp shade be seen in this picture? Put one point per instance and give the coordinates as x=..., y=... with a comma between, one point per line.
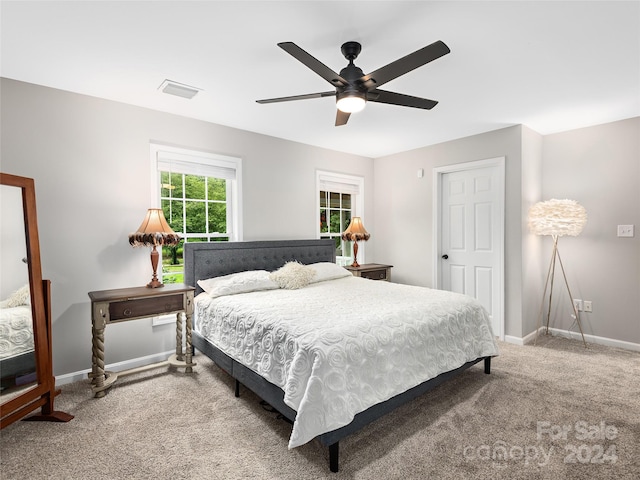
x=557, y=217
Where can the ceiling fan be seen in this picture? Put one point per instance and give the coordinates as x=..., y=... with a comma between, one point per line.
x=353, y=88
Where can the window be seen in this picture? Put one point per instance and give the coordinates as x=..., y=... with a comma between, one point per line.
x=340, y=197
x=199, y=194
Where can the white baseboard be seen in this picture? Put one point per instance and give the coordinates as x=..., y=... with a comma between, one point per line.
x=115, y=367
x=514, y=340
x=610, y=342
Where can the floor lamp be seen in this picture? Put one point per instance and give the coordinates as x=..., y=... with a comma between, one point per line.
x=557, y=218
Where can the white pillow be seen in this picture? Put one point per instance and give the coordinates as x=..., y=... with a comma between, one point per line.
x=328, y=271
x=293, y=275
x=242, y=282
x=22, y=296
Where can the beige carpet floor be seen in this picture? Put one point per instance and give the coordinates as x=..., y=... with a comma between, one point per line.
x=551, y=411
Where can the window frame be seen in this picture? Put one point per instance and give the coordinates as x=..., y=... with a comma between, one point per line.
x=351, y=183
x=205, y=164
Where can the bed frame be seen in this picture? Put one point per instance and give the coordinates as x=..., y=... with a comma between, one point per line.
x=13, y=368
x=207, y=260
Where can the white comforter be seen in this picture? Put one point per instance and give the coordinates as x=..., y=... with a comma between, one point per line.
x=338, y=347
x=16, y=331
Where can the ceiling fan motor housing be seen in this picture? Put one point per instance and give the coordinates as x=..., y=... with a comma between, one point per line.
x=351, y=73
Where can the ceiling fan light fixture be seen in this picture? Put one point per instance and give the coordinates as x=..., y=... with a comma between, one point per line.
x=350, y=102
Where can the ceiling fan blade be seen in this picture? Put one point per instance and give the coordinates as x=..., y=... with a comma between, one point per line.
x=392, y=98
x=405, y=64
x=298, y=97
x=314, y=64
x=341, y=117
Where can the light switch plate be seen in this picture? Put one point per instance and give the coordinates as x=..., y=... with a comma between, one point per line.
x=625, y=230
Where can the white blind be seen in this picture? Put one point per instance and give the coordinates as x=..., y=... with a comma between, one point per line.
x=338, y=184
x=196, y=165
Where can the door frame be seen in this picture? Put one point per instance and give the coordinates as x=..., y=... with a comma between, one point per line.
x=438, y=173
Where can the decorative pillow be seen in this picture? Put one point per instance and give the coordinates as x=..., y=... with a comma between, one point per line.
x=328, y=271
x=22, y=296
x=293, y=275
x=242, y=282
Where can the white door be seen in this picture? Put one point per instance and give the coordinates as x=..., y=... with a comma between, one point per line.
x=471, y=212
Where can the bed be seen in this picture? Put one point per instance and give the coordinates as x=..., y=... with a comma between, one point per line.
x=17, y=359
x=319, y=354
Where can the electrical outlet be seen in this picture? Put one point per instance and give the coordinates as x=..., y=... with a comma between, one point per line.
x=577, y=303
x=625, y=230
x=588, y=306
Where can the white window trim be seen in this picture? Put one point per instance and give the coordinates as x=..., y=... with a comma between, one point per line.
x=358, y=183
x=187, y=155
x=234, y=211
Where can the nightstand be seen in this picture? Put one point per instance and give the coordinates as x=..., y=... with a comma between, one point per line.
x=373, y=271
x=125, y=304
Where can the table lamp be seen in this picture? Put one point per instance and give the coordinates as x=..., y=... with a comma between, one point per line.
x=355, y=232
x=154, y=231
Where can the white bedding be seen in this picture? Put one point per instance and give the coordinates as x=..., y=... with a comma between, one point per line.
x=340, y=346
x=16, y=331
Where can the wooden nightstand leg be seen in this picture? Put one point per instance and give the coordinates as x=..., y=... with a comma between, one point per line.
x=188, y=317
x=188, y=346
x=97, y=350
x=179, y=354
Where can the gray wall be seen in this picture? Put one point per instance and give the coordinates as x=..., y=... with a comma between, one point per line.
x=600, y=168
x=90, y=161
x=533, y=259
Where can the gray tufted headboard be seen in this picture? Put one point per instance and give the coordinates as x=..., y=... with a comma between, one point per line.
x=214, y=259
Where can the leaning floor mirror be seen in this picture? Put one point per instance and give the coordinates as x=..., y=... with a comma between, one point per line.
x=27, y=381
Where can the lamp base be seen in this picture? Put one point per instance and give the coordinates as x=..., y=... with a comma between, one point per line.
x=154, y=283
x=550, y=275
x=355, y=255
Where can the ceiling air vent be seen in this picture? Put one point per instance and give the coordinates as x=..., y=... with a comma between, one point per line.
x=178, y=89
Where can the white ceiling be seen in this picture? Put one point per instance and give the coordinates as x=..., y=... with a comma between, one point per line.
x=550, y=65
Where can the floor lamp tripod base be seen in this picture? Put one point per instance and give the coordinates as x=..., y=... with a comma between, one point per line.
x=549, y=284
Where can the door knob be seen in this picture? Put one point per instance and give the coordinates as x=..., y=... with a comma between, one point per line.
x=445, y=256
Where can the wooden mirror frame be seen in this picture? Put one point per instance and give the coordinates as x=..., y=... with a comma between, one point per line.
x=44, y=391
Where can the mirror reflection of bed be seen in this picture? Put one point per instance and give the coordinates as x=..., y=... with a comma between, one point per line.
x=17, y=357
